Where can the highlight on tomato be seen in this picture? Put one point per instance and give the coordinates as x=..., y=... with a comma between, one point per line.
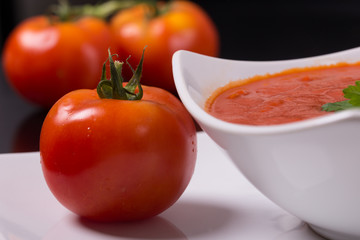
x=164, y=27
x=121, y=152
x=45, y=57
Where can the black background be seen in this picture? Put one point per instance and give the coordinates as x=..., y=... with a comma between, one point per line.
x=249, y=30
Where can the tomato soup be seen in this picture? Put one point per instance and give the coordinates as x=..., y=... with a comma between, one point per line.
x=289, y=96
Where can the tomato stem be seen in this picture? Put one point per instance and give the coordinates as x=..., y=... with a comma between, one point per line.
x=113, y=88
x=66, y=12
x=62, y=10
x=105, y=9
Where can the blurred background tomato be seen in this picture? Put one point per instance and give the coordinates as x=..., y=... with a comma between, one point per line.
x=251, y=29
x=248, y=30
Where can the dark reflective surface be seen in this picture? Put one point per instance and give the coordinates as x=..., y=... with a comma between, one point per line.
x=20, y=121
x=27, y=135
x=249, y=30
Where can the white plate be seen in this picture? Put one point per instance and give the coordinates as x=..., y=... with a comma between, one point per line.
x=218, y=204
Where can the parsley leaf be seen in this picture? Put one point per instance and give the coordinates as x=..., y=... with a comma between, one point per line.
x=352, y=93
x=336, y=106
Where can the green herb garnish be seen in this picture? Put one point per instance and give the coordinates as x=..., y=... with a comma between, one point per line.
x=352, y=93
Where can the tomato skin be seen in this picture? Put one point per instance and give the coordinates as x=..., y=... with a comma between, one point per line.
x=184, y=26
x=43, y=59
x=118, y=160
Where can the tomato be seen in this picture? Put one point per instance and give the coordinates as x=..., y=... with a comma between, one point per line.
x=44, y=58
x=118, y=160
x=164, y=30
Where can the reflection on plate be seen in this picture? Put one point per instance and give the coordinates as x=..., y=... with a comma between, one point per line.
x=218, y=204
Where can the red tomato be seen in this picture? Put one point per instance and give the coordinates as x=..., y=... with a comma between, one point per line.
x=44, y=59
x=118, y=160
x=178, y=25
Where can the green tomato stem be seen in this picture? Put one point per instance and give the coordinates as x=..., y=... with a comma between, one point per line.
x=113, y=88
x=105, y=9
x=67, y=12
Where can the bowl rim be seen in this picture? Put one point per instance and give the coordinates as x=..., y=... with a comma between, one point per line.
x=204, y=118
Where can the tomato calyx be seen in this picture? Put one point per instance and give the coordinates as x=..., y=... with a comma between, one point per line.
x=113, y=88
x=155, y=10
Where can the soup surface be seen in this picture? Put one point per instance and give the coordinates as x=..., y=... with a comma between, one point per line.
x=289, y=96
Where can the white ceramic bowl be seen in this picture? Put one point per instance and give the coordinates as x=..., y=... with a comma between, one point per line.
x=310, y=168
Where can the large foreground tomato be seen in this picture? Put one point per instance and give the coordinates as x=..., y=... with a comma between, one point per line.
x=165, y=29
x=44, y=58
x=109, y=159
